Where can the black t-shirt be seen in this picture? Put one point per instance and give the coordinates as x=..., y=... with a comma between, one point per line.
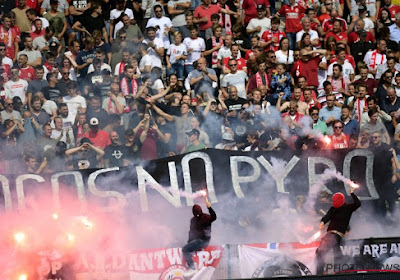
x=133, y=151
x=115, y=155
x=164, y=148
x=102, y=116
x=78, y=4
x=92, y=23
x=235, y=105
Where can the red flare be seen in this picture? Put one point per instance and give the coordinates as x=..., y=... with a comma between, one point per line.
x=203, y=193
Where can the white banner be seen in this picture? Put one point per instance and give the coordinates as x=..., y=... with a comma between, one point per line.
x=277, y=260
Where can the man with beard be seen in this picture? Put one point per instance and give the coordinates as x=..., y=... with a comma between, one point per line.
x=114, y=154
x=199, y=235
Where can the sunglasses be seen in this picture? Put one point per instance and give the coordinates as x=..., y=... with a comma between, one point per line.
x=337, y=127
x=314, y=114
x=8, y=104
x=122, y=37
x=232, y=64
x=2, y=50
x=65, y=73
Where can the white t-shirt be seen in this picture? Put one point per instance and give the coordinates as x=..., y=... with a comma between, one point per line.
x=369, y=24
x=379, y=59
x=155, y=58
x=18, y=88
x=174, y=51
x=265, y=24
x=282, y=58
x=198, y=45
x=7, y=60
x=162, y=23
x=238, y=80
x=73, y=103
x=313, y=35
x=178, y=20
x=224, y=52
x=145, y=61
x=347, y=69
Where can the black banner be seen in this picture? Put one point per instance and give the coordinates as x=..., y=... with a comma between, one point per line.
x=222, y=172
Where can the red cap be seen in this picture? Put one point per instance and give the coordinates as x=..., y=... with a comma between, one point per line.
x=337, y=200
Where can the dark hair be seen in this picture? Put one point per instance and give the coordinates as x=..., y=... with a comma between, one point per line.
x=372, y=111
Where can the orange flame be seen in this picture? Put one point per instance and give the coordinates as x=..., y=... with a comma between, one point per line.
x=23, y=277
x=327, y=140
x=19, y=237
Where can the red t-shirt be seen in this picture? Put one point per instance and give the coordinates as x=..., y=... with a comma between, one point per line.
x=393, y=9
x=201, y=12
x=6, y=71
x=8, y=37
x=349, y=58
x=354, y=37
x=339, y=37
x=268, y=34
x=241, y=63
x=100, y=139
x=35, y=34
x=293, y=15
x=250, y=8
x=307, y=69
x=340, y=143
x=249, y=54
x=27, y=73
x=328, y=24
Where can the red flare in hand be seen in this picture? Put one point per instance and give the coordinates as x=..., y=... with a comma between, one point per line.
x=203, y=193
x=316, y=235
x=327, y=140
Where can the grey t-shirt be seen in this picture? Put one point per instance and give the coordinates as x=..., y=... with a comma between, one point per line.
x=378, y=127
x=178, y=20
x=62, y=5
x=205, y=84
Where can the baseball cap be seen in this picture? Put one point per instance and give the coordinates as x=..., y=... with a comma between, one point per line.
x=193, y=131
x=362, y=8
x=53, y=45
x=227, y=136
x=260, y=7
x=94, y=121
x=85, y=140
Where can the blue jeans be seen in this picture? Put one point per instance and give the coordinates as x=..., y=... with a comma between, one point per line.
x=177, y=69
x=188, y=69
x=292, y=40
x=192, y=246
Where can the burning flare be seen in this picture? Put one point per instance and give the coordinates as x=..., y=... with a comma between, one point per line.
x=327, y=140
x=55, y=216
x=316, y=235
x=203, y=193
x=85, y=221
x=354, y=185
x=19, y=237
x=70, y=237
x=23, y=277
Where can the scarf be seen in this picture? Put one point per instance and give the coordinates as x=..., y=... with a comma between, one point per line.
x=259, y=80
x=214, y=55
x=2, y=37
x=228, y=23
x=121, y=67
x=125, y=87
x=372, y=64
x=359, y=107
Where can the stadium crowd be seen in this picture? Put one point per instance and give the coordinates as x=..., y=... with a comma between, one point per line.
x=88, y=84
